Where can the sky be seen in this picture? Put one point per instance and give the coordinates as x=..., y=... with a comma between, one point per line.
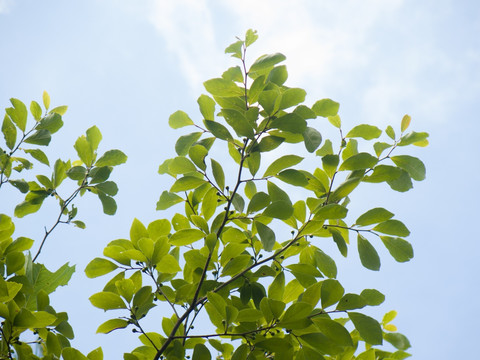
x=126, y=66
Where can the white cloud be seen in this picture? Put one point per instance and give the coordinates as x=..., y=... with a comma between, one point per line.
x=378, y=55
x=4, y=6
x=187, y=27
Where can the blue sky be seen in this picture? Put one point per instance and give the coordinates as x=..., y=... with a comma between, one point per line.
x=126, y=66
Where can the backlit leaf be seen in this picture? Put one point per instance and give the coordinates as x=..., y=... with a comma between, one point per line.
x=374, y=216
x=179, y=119
x=112, y=324
x=186, y=237
x=265, y=62
x=400, y=249
x=412, y=165
x=183, y=144
x=368, y=328
x=326, y=108
x=359, y=162
x=222, y=87
x=368, y=255
x=112, y=158
x=98, y=267
x=367, y=132
x=218, y=130
x=392, y=227
x=267, y=236
x=107, y=301
x=168, y=199
x=282, y=163
x=312, y=139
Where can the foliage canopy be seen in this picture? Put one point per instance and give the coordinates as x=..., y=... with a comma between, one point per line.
x=243, y=247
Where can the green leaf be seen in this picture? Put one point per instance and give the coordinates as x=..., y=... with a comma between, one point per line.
x=201, y=352
x=390, y=132
x=367, y=132
x=379, y=147
x=112, y=324
x=392, y=227
x=14, y=261
x=21, y=185
x=372, y=297
x=326, y=149
x=282, y=163
x=297, y=311
x=250, y=37
x=39, y=155
x=265, y=63
x=405, y=123
x=179, y=119
x=52, y=122
x=111, y=158
x=278, y=75
x=18, y=113
x=183, y=144
x=94, y=136
x=108, y=187
x=330, y=164
x=108, y=203
x=258, y=202
x=331, y=211
x=374, y=216
x=186, y=183
x=351, y=302
x=415, y=138
x=98, y=267
x=218, y=130
x=292, y=97
x=60, y=110
x=290, y=122
x=36, y=110
x=186, y=237
x=279, y=209
x=222, y=87
x=198, y=153
x=368, y=255
x=312, y=139
x=84, y=150
x=402, y=183
x=46, y=100
x=249, y=315
x=331, y=292
x=277, y=287
x=9, y=132
x=207, y=107
x=293, y=177
x=398, y=340
x=326, y=108
x=168, y=199
x=359, y=162
x=235, y=49
x=384, y=173
x=235, y=265
x=344, y=189
x=20, y=244
x=107, y=301
x=368, y=328
x=181, y=165
x=218, y=174
x=40, y=278
x=400, y=249
x=267, y=236
x=40, y=137
x=412, y=165
x=269, y=143
x=325, y=264
x=238, y=122
x=339, y=240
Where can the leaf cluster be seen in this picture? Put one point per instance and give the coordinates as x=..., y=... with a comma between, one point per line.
x=244, y=247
